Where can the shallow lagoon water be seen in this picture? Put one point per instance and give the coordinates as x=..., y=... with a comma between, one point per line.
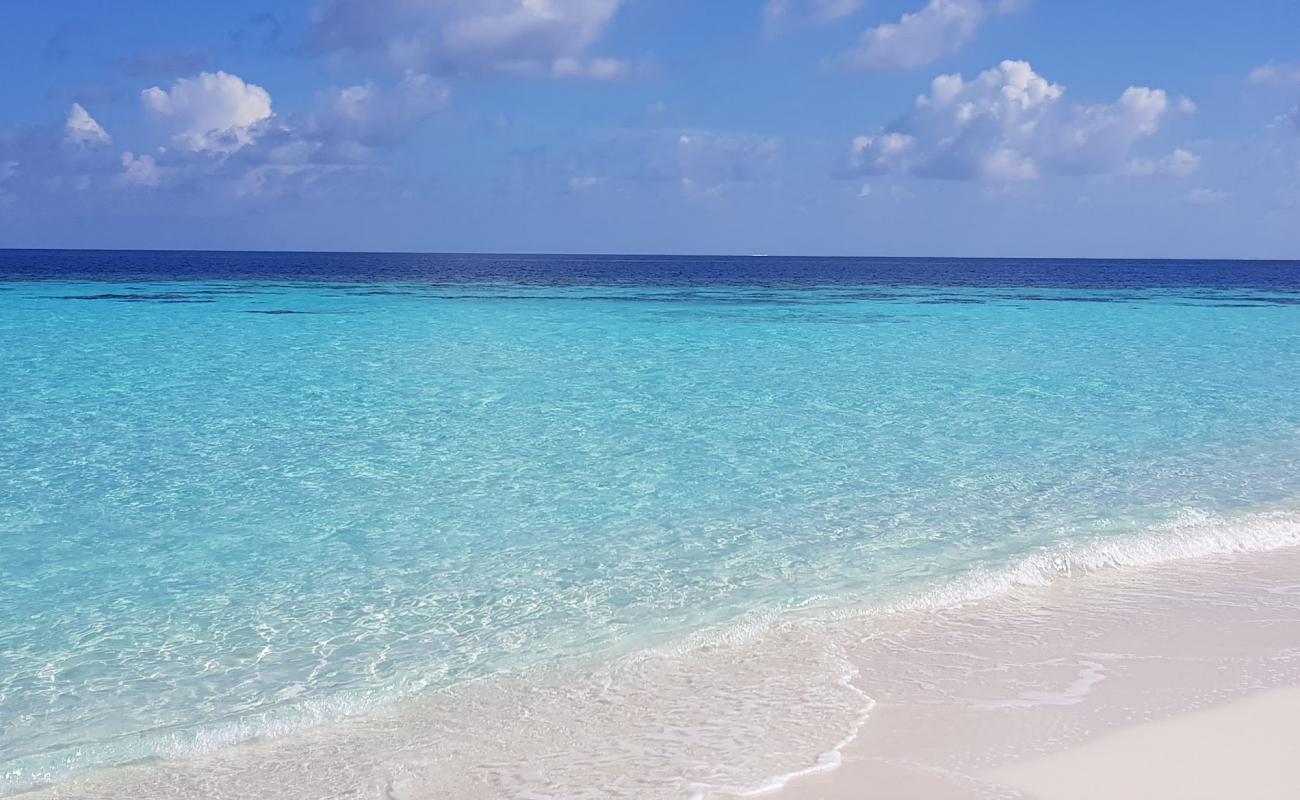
x=239, y=505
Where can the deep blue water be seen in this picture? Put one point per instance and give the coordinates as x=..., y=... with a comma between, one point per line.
x=635, y=270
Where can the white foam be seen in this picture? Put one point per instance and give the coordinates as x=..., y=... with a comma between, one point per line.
x=1194, y=534
x=1090, y=674
x=203, y=740
x=829, y=760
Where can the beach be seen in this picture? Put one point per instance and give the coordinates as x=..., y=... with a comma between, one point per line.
x=1244, y=748
x=1174, y=681
x=1247, y=748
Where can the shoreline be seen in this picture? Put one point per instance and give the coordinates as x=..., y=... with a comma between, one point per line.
x=1186, y=683
x=926, y=703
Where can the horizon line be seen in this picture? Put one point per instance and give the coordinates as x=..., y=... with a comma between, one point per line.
x=540, y=254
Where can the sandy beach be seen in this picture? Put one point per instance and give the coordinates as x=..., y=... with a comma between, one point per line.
x=1176, y=681
x=1247, y=748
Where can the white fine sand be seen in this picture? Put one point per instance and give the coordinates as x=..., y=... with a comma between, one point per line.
x=1246, y=749
x=1180, y=681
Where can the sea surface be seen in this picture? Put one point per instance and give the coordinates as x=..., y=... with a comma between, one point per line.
x=247, y=495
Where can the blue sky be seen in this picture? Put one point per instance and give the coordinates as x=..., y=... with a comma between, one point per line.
x=853, y=127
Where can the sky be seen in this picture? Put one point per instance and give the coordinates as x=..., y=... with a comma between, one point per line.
x=1165, y=128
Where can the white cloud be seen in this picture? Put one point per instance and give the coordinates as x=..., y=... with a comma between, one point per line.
x=1275, y=75
x=213, y=112
x=1011, y=124
x=81, y=129
x=526, y=37
x=140, y=170
x=940, y=28
x=263, y=155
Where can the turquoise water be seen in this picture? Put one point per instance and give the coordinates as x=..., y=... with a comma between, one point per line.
x=238, y=503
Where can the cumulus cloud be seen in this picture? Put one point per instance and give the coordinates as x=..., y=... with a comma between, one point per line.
x=140, y=170
x=1275, y=75
x=226, y=138
x=940, y=28
x=530, y=37
x=82, y=130
x=213, y=112
x=1011, y=124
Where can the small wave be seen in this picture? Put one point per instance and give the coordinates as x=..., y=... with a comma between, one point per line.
x=44, y=769
x=1194, y=534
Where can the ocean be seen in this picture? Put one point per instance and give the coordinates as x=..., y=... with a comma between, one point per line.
x=410, y=502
